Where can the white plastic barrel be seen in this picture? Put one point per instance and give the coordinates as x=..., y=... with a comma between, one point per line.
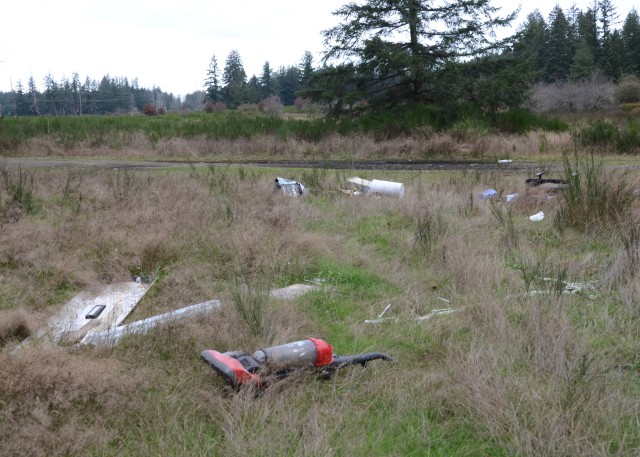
x=387, y=188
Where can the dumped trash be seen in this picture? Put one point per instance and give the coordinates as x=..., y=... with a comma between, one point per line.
x=289, y=187
x=567, y=288
x=377, y=186
x=292, y=292
x=505, y=161
x=435, y=312
x=489, y=193
x=537, y=217
x=112, y=336
x=511, y=197
x=538, y=181
x=239, y=368
x=97, y=309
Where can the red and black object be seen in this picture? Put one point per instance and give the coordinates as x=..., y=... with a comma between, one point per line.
x=239, y=368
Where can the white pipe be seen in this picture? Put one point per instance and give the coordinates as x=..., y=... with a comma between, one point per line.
x=112, y=336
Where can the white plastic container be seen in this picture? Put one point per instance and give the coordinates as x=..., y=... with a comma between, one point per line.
x=387, y=188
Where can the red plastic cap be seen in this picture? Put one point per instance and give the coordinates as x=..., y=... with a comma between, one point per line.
x=324, y=350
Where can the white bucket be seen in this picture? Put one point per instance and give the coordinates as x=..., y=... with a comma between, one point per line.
x=387, y=188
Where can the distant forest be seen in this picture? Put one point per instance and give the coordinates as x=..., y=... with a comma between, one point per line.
x=567, y=45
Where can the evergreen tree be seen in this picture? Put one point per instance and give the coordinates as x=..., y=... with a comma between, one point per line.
x=530, y=42
x=399, y=44
x=288, y=82
x=588, y=30
x=607, y=18
x=212, y=83
x=266, y=81
x=21, y=101
x=614, y=55
x=631, y=40
x=306, y=69
x=559, y=50
x=583, y=64
x=34, y=110
x=235, y=80
x=254, y=90
x=51, y=94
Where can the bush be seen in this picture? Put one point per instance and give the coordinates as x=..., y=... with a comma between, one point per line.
x=149, y=110
x=272, y=105
x=628, y=90
x=593, y=94
x=598, y=133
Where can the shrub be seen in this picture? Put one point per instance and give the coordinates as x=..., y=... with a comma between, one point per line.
x=598, y=133
x=628, y=90
x=593, y=94
x=272, y=105
x=149, y=110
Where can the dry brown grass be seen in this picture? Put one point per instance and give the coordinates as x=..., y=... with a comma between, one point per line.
x=551, y=374
x=422, y=145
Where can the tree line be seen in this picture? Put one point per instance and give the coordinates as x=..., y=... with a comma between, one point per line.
x=110, y=95
x=386, y=54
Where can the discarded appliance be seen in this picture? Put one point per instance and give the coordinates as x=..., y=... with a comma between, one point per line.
x=112, y=336
x=289, y=187
x=377, y=186
x=537, y=217
x=538, y=181
x=238, y=368
x=489, y=193
x=95, y=310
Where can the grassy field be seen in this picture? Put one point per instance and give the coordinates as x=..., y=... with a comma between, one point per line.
x=521, y=369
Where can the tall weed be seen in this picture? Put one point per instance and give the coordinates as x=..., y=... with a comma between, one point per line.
x=20, y=187
x=593, y=199
x=251, y=302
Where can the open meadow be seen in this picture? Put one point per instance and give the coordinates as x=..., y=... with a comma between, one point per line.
x=539, y=355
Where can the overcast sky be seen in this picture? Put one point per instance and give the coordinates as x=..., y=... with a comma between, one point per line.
x=169, y=43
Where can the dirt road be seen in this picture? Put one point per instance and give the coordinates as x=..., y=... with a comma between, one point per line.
x=29, y=162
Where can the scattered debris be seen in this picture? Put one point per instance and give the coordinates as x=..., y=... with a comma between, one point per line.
x=238, y=368
x=435, y=312
x=537, y=217
x=376, y=186
x=289, y=187
x=511, y=197
x=568, y=288
x=489, y=193
x=292, y=292
x=95, y=310
x=112, y=336
x=504, y=161
x=538, y=181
